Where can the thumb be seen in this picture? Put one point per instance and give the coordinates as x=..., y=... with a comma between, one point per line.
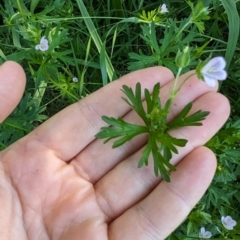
x=12, y=84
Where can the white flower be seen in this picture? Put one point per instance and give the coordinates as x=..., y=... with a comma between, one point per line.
x=43, y=45
x=204, y=234
x=228, y=222
x=214, y=70
x=75, y=79
x=163, y=8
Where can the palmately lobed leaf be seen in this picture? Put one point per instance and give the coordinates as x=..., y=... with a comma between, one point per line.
x=160, y=145
x=120, y=129
x=182, y=120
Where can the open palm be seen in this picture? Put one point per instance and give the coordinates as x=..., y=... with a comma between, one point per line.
x=59, y=182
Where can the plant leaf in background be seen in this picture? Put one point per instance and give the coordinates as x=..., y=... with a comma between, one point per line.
x=234, y=25
x=98, y=42
x=26, y=116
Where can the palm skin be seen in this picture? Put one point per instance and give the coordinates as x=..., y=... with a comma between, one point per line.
x=60, y=183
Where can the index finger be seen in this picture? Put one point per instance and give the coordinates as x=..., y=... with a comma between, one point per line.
x=12, y=84
x=72, y=129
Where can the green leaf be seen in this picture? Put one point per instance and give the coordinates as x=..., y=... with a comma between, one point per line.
x=170, y=142
x=161, y=145
x=149, y=36
x=193, y=120
x=167, y=154
x=103, y=66
x=152, y=101
x=161, y=164
x=119, y=129
x=234, y=25
x=160, y=168
x=135, y=100
x=33, y=5
x=145, y=154
x=96, y=38
x=141, y=60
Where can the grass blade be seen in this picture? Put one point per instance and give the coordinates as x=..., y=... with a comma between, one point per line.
x=33, y=5
x=97, y=40
x=233, y=20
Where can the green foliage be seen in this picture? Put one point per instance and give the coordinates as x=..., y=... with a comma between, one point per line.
x=196, y=219
x=160, y=143
x=234, y=26
x=105, y=62
x=183, y=120
x=199, y=14
x=151, y=16
x=119, y=128
x=163, y=49
x=23, y=119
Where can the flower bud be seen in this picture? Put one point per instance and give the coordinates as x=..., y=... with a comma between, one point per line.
x=183, y=58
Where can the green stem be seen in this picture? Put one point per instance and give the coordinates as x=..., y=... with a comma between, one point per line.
x=181, y=30
x=16, y=126
x=20, y=8
x=183, y=83
x=149, y=25
x=173, y=92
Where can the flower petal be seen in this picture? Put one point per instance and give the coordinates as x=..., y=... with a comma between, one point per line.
x=75, y=79
x=214, y=70
x=44, y=42
x=210, y=81
x=164, y=8
x=208, y=234
x=228, y=222
x=218, y=63
x=218, y=75
x=227, y=219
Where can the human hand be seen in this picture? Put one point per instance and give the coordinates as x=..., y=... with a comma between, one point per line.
x=59, y=182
